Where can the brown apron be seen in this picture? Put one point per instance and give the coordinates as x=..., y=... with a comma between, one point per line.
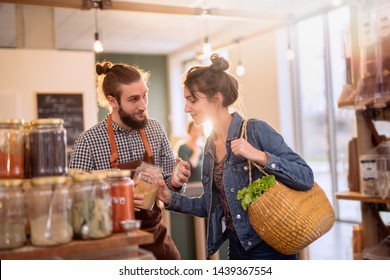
x=163, y=247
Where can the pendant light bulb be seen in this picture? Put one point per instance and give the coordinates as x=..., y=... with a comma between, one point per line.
x=206, y=48
x=240, y=70
x=97, y=45
x=290, y=53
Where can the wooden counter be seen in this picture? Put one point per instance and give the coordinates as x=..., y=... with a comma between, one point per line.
x=97, y=247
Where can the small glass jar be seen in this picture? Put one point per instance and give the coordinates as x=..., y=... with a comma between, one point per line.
x=147, y=176
x=122, y=197
x=91, y=206
x=49, y=211
x=48, y=155
x=12, y=214
x=11, y=148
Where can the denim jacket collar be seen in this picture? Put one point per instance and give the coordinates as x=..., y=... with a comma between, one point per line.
x=233, y=133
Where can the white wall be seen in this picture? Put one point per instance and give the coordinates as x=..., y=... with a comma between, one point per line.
x=23, y=72
x=259, y=84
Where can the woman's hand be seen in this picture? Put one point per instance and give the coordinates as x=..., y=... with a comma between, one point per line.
x=164, y=194
x=181, y=174
x=241, y=147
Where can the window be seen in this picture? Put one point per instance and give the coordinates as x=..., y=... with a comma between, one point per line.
x=324, y=129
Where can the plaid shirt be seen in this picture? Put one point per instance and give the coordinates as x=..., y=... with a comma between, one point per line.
x=92, y=150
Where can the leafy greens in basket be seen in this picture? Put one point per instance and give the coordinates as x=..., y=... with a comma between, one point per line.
x=249, y=194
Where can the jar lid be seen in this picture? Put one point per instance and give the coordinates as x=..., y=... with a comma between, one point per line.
x=82, y=177
x=113, y=173
x=76, y=171
x=10, y=121
x=47, y=121
x=10, y=183
x=38, y=181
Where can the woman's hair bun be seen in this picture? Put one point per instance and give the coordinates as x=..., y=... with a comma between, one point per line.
x=218, y=63
x=103, y=68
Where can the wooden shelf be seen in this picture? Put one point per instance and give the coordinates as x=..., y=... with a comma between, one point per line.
x=360, y=197
x=75, y=247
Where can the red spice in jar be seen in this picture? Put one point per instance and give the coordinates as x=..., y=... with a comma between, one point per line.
x=122, y=198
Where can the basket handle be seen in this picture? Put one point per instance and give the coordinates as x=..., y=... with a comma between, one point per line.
x=245, y=136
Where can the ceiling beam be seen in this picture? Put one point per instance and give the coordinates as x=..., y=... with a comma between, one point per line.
x=155, y=8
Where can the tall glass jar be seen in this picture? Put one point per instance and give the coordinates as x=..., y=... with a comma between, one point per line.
x=91, y=207
x=148, y=176
x=12, y=214
x=48, y=148
x=11, y=148
x=122, y=197
x=49, y=211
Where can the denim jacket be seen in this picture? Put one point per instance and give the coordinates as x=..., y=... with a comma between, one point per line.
x=288, y=167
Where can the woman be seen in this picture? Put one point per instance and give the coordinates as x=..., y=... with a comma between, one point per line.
x=191, y=152
x=209, y=91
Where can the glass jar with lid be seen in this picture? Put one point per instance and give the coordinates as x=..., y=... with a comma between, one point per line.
x=48, y=155
x=122, y=197
x=147, y=176
x=91, y=206
x=11, y=148
x=12, y=214
x=49, y=211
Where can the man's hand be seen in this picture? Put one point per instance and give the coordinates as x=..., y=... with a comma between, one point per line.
x=138, y=200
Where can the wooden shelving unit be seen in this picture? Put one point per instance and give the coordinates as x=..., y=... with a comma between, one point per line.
x=92, y=249
x=360, y=197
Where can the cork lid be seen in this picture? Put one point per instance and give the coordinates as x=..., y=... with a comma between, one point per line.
x=39, y=181
x=48, y=121
x=83, y=177
x=11, y=183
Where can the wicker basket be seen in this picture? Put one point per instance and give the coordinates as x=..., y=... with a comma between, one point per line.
x=289, y=220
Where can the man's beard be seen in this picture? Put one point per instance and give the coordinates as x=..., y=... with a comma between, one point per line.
x=128, y=119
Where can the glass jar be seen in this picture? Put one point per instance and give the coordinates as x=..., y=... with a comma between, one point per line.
x=122, y=197
x=26, y=131
x=49, y=211
x=147, y=176
x=12, y=214
x=11, y=148
x=91, y=206
x=48, y=148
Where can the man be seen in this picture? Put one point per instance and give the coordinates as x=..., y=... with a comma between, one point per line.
x=125, y=138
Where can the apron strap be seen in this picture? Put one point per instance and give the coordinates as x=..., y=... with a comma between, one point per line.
x=114, y=152
x=146, y=143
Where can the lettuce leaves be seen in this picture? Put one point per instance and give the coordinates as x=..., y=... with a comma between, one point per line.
x=249, y=194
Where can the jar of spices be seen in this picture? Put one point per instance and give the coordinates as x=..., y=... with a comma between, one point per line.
x=147, y=176
x=11, y=148
x=122, y=197
x=12, y=214
x=48, y=155
x=91, y=206
x=49, y=211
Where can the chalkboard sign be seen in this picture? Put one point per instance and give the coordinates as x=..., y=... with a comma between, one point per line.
x=67, y=106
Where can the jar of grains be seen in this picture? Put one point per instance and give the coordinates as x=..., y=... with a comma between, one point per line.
x=147, y=176
x=49, y=211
